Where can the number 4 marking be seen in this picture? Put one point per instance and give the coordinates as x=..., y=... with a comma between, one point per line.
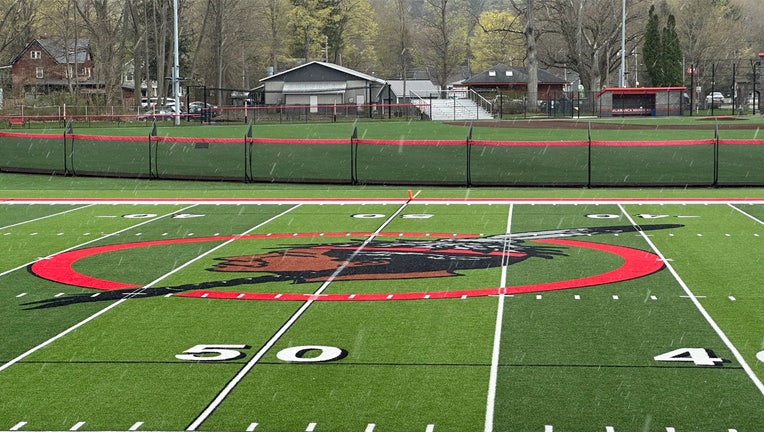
x=699, y=356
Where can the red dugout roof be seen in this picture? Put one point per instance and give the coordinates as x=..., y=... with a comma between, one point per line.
x=638, y=90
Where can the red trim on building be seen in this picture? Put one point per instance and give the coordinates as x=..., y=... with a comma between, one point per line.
x=638, y=90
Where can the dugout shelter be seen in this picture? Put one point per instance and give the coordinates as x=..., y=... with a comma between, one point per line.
x=640, y=101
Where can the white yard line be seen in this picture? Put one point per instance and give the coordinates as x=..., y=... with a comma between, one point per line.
x=46, y=216
x=207, y=412
x=119, y=302
x=97, y=239
x=746, y=367
x=494, y=373
x=759, y=221
x=90, y=318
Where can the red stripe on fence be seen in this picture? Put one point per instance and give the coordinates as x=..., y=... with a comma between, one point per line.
x=413, y=142
x=652, y=143
x=750, y=141
x=104, y=138
x=487, y=143
x=335, y=141
x=299, y=141
x=29, y=135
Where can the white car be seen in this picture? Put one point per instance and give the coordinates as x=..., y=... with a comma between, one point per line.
x=715, y=98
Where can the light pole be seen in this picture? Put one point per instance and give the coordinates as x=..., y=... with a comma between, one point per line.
x=403, y=61
x=755, y=86
x=636, y=67
x=176, y=62
x=622, y=77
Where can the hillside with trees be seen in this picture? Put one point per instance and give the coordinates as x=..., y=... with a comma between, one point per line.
x=231, y=44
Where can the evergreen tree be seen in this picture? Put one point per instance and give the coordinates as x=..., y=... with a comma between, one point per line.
x=662, y=52
x=672, y=54
x=653, y=49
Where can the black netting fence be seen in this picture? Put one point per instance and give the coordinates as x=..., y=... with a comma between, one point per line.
x=701, y=162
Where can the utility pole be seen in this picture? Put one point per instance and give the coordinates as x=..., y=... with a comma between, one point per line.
x=176, y=62
x=622, y=75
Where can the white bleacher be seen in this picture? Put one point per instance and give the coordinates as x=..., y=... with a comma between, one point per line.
x=452, y=109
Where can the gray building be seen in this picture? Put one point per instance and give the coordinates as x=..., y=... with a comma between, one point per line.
x=319, y=83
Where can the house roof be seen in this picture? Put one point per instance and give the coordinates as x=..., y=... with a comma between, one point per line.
x=639, y=90
x=59, y=48
x=418, y=87
x=324, y=87
x=503, y=74
x=339, y=68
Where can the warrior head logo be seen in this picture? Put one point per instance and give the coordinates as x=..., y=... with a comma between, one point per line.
x=358, y=260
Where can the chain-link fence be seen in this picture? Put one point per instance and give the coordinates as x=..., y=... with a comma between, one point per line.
x=728, y=87
x=713, y=88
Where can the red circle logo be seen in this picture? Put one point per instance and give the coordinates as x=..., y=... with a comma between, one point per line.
x=437, y=255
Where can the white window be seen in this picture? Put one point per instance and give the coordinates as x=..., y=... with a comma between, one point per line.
x=492, y=73
x=508, y=73
x=38, y=72
x=35, y=55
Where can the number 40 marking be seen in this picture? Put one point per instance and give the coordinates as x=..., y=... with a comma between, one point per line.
x=699, y=356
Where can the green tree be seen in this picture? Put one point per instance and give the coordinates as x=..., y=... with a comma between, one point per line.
x=497, y=39
x=359, y=35
x=672, y=54
x=307, y=20
x=662, y=51
x=652, y=50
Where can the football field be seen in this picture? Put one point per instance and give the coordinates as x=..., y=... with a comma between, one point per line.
x=382, y=314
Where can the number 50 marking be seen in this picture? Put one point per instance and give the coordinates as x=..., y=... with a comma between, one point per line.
x=298, y=354
x=212, y=352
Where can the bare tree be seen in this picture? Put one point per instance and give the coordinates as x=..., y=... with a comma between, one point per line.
x=443, y=39
x=585, y=35
x=17, y=25
x=104, y=21
x=396, y=47
x=273, y=13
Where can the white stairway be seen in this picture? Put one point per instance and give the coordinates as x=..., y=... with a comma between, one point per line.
x=453, y=109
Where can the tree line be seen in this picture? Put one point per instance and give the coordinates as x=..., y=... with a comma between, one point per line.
x=232, y=44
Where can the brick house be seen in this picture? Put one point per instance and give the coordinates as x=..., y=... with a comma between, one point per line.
x=508, y=79
x=50, y=65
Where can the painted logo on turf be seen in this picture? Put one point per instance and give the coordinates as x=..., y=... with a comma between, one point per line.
x=430, y=256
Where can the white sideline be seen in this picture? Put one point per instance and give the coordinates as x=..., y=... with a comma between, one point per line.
x=397, y=201
x=759, y=221
x=757, y=382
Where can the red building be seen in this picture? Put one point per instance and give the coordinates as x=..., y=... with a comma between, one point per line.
x=50, y=65
x=514, y=80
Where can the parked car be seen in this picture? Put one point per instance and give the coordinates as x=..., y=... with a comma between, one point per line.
x=715, y=98
x=147, y=103
x=157, y=113
x=207, y=111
